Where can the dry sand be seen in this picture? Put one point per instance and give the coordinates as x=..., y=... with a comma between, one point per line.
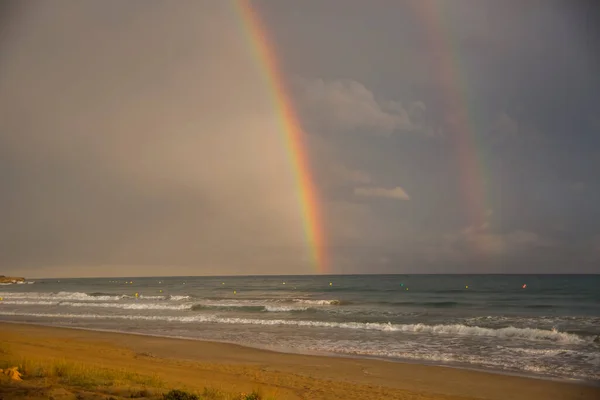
x=197, y=364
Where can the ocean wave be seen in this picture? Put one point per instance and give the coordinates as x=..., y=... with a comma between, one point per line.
x=81, y=301
x=161, y=306
x=102, y=296
x=444, y=330
x=123, y=306
x=247, y=308
x=263, y=300
x=79, y=296
x=274, y=308
x=319, y=302
x=61, y=296
x=433, y=304
x=29, y=302
x=128, y=306
x=552, y=352
x=225, y=307
x=99, y=294
x=539, y=306
x=177, y=298
x=548, y=321
x=498, y=363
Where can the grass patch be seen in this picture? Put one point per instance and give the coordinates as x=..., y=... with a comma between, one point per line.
x=211, y=394
x=4, y=349
x=141, y=394
x=251, y=396
x=180, y=395
x=81, y=375
x=106, y=381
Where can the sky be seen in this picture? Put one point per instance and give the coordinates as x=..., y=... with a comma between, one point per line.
x=141, y=138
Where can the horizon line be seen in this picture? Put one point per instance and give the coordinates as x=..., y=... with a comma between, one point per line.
x=313, y=275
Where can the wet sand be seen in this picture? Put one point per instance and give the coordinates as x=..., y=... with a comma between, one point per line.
x=234, y=368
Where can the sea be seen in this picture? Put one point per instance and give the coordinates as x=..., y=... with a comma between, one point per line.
x=535, y=325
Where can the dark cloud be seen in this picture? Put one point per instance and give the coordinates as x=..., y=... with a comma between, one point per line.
x=141, y=137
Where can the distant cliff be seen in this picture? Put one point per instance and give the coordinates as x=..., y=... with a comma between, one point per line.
x=11, y=279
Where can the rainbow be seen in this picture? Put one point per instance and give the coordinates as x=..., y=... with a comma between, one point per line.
x=294, y=137
x=455, y=101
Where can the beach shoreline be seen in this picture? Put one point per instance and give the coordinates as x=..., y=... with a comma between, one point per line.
x=495, y=326
x=291, y=375
x=285, y=350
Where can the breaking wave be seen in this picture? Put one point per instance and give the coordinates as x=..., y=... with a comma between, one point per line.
x=320, y=302
x=248, y=308
x=78, y=296
x=450, y=330
x=124, y=306
x=177, y=298
x=161, y=306
x=433, y=304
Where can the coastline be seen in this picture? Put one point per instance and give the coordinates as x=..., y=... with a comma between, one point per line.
x=315, y=353
x=290, y=375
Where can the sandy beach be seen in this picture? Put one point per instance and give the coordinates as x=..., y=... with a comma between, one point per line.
x=198, y=364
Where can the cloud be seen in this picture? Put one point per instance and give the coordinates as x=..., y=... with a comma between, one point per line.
x=347, y=221
x=475, y=250
x=395, y=193
x=347, y=105
x=140, y=136
x=137, y=145
x=343, y=174
x=504, y=127
x=470, y=241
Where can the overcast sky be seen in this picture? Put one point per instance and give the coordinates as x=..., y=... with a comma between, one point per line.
x=139, y=137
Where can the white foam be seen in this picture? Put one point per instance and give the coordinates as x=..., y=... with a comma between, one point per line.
x=268, y=305
x=432, y=355
x=508, y=332
x=317, y=302
x=88, y=301
x=231, y=304
x=450, y=330
x=130, y=306
x=179, y=298
x=271, y=308
x=77, y=296
x=59, y=296
x=124, y=306
x=29, y=303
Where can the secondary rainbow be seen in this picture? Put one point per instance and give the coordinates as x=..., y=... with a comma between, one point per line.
x=450, y=75
x=294, y=137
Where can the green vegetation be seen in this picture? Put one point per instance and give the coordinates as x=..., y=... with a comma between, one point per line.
x=179, y=395
x=210, y=394
x=80, y=375
x=251, y=396
x=88, y=382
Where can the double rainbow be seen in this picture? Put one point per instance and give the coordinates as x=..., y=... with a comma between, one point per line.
x=455, y=99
